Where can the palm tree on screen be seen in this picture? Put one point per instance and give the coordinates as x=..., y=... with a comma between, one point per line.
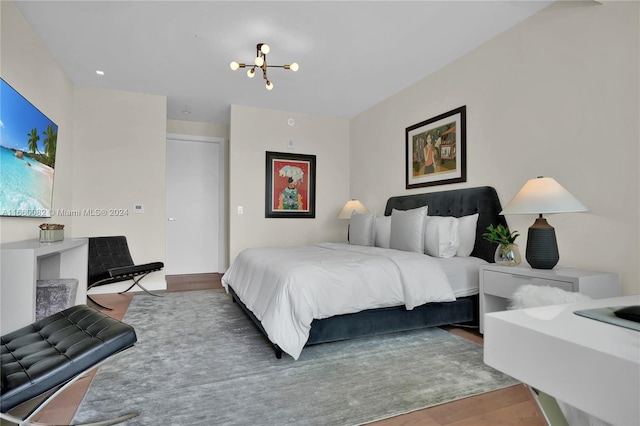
x=33, y=140
x=50, y=142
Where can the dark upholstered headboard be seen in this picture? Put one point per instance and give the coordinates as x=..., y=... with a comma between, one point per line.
x=459, y=202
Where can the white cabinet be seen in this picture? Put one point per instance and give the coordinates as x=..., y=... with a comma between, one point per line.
x=498, y=283
x=25, y=262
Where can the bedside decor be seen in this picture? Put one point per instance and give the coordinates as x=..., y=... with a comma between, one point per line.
x=507, y=253
x=290, y=185
x=350, y=206
x=539, y=196
x=51, y=232
x=436, y=150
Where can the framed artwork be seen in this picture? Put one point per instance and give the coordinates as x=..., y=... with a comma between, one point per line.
x=437, y=150
x=290, y=185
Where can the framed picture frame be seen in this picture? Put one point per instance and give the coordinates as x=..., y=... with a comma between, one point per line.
x=290, y=185
x=436, y=150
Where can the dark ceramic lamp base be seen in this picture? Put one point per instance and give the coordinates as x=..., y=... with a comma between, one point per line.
x=542, y=247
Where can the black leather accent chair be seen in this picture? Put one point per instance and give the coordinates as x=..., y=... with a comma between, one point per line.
x=40, y=360
x=110, y=262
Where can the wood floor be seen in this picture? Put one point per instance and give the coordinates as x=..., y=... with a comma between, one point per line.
x=510, y=406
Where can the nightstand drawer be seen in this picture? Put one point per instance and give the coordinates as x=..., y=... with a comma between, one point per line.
x=499, y=283
x=504, y=285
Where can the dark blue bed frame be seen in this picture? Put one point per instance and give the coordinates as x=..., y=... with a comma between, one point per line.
x=461, y=202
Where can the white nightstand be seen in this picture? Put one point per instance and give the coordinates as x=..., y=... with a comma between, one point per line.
x=498, y=283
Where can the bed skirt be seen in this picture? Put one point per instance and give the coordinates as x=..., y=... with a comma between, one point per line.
x=372, y=322
x=389, y=320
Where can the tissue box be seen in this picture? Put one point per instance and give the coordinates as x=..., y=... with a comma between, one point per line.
x=51, y=235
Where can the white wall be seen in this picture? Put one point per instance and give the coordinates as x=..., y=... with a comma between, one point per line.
x=557, y=95
x=27, y=65
x=193, y=128
x=254, y=131
x=110, y=150
x=119, y=160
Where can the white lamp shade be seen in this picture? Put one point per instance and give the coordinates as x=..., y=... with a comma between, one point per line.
x=543, y=195
x=348, y=208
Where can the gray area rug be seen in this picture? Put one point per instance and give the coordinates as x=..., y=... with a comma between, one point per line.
x=200, y=361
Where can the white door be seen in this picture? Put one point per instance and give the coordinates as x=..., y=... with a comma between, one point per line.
x=194, y=206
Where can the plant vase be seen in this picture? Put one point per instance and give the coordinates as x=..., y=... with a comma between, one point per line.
x=508, y=255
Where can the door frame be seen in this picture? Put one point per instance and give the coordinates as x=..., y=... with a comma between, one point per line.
x=222, y=200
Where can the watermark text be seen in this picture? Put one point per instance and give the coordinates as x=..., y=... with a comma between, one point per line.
x=89, y=212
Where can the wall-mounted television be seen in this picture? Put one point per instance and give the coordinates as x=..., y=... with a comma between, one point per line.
x=28, y=140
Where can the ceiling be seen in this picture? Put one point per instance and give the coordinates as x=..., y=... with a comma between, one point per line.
x=352, y=54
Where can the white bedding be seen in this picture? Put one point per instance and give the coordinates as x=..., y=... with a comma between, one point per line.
x=462, y=273
x=288, y=287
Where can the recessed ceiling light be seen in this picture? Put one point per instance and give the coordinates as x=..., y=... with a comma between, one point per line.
x=99, y=72
x=186, y=112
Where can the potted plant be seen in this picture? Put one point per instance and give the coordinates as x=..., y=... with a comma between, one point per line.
x=507, y=252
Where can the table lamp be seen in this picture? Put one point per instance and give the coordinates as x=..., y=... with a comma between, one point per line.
x=541, y=196
x=349, y=207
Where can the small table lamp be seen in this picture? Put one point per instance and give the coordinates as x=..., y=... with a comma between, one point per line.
x=348, y=208
x=539, y=196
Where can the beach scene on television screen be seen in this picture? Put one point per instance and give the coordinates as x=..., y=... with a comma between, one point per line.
x=27, y=156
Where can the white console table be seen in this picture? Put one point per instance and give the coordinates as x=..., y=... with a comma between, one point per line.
x=590, y=365
x=25, y=262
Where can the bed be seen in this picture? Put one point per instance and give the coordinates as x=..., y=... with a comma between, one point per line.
x=301, y=296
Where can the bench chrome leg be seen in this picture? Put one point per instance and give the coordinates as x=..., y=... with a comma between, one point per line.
x=99, y=305
x=137, y=282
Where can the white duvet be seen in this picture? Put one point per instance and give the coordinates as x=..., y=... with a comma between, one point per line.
x=288, y=287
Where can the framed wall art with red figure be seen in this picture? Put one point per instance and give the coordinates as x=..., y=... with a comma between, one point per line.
x=290, y=185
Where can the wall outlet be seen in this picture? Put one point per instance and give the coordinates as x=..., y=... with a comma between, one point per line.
x=240, y=210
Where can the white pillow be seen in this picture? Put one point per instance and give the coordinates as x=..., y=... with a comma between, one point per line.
x=441, y=236
x=361, y=229
x=383, y=231
x=467, y=231
x=407, y=229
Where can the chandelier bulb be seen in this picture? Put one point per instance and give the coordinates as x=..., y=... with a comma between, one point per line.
x=269, y=85
x=234, y=65
x=294, y=67
x=264, y=48
x=259, y=61
x=251, y=73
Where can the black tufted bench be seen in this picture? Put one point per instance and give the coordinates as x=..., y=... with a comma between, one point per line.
x=54, y=352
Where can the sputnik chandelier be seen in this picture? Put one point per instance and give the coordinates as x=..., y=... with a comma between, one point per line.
x=261, y=62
